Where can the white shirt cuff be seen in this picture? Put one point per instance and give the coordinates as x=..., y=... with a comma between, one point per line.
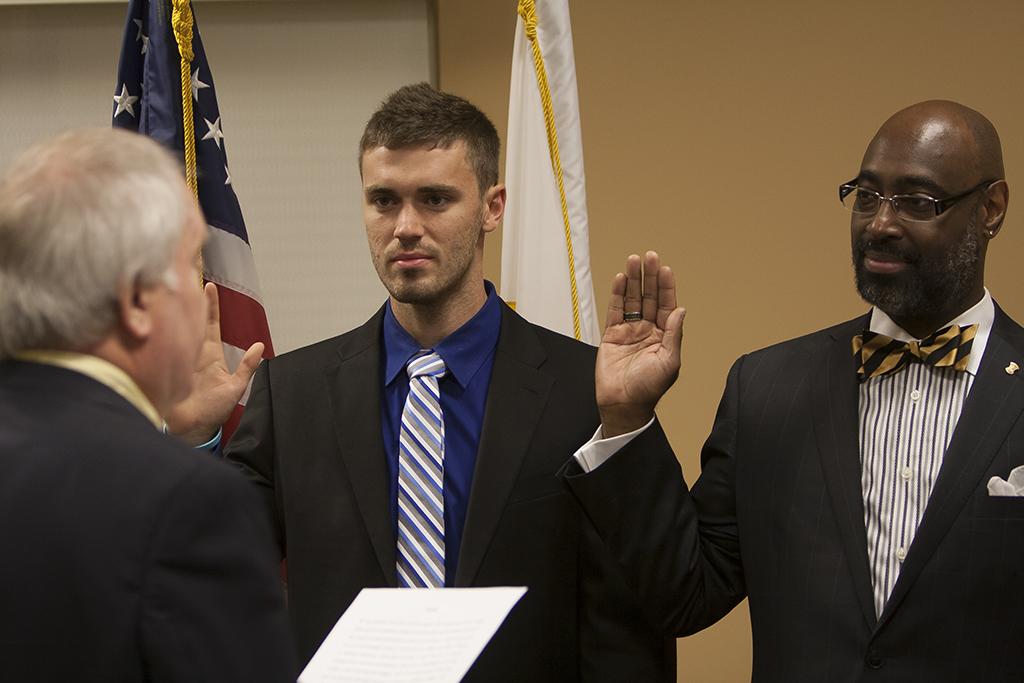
x=596, y=452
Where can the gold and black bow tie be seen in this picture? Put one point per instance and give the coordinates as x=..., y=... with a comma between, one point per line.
x=878, y=354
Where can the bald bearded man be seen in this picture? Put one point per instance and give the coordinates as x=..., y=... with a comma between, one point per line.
x=856, y=485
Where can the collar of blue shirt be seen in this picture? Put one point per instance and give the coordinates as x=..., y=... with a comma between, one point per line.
x=463, y=351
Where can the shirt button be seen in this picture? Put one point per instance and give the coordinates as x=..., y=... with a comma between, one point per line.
x=915, y=395
x=907, y=473
x=901, y=554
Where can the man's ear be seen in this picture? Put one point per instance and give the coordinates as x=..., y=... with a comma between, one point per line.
x=997, y=198
x=135, y=305
x=494, y=206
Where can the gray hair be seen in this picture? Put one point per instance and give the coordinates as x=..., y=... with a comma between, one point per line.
x=82, y=216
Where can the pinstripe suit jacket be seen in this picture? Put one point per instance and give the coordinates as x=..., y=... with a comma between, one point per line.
x=777, y=515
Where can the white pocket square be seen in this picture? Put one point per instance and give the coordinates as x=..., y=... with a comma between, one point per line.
x=1011, y=486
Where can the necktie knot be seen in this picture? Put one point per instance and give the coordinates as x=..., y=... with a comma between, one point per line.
x=878, y=354
x=427, y=364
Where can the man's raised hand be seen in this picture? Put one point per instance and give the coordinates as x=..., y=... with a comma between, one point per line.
x=639, y=356
x=215, y=389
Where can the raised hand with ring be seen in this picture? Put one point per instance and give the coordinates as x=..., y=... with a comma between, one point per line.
x=638, y=362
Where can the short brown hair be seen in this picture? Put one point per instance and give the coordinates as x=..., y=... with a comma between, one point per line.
x=421, y=115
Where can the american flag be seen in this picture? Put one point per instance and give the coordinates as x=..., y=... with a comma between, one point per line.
x=148, y=100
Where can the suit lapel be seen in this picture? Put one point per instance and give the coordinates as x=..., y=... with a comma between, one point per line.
x=354, y=388
x=834, y=396
x=515, y=401
x=990, y=411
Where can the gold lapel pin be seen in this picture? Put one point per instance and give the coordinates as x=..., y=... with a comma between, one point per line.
x=1012, y=368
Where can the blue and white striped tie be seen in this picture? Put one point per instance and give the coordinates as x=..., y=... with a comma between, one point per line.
x=421, y=477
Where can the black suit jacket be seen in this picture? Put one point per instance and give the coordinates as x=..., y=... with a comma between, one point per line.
x=311, y=438
x=778, y=515
x=126, y=555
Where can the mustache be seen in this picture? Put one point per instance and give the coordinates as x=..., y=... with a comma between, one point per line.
x=417, y=246
x=887, y=247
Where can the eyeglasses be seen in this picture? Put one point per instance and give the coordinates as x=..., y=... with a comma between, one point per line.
x=911, y=207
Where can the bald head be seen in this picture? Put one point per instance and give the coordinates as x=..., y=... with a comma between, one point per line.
x=920, y=267
x=948, y=132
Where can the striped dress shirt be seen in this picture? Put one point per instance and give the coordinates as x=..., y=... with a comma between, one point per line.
x=907, y=419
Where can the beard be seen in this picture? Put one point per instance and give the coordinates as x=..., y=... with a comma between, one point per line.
x=454, y=263
x=928, y=286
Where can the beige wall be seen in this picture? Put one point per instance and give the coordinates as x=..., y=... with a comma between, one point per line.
x=717, y=133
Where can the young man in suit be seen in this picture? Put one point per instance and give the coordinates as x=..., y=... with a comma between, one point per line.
x=422, y=448
x=848, y=487
x=126, y=556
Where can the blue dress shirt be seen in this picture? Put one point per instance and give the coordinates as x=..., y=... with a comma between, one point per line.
x=468, y=353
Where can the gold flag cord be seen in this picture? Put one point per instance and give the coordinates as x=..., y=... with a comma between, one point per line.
x=528, y=11
x=181, y=24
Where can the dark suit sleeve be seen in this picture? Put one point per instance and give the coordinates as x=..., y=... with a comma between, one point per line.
x=252, y=447
x=212, y=605
x=680, y=551
x=617, y=639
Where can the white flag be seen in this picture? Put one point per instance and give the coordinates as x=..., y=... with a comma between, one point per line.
x=545, y=252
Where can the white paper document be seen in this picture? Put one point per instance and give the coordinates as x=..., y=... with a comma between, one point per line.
x=410, y=635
